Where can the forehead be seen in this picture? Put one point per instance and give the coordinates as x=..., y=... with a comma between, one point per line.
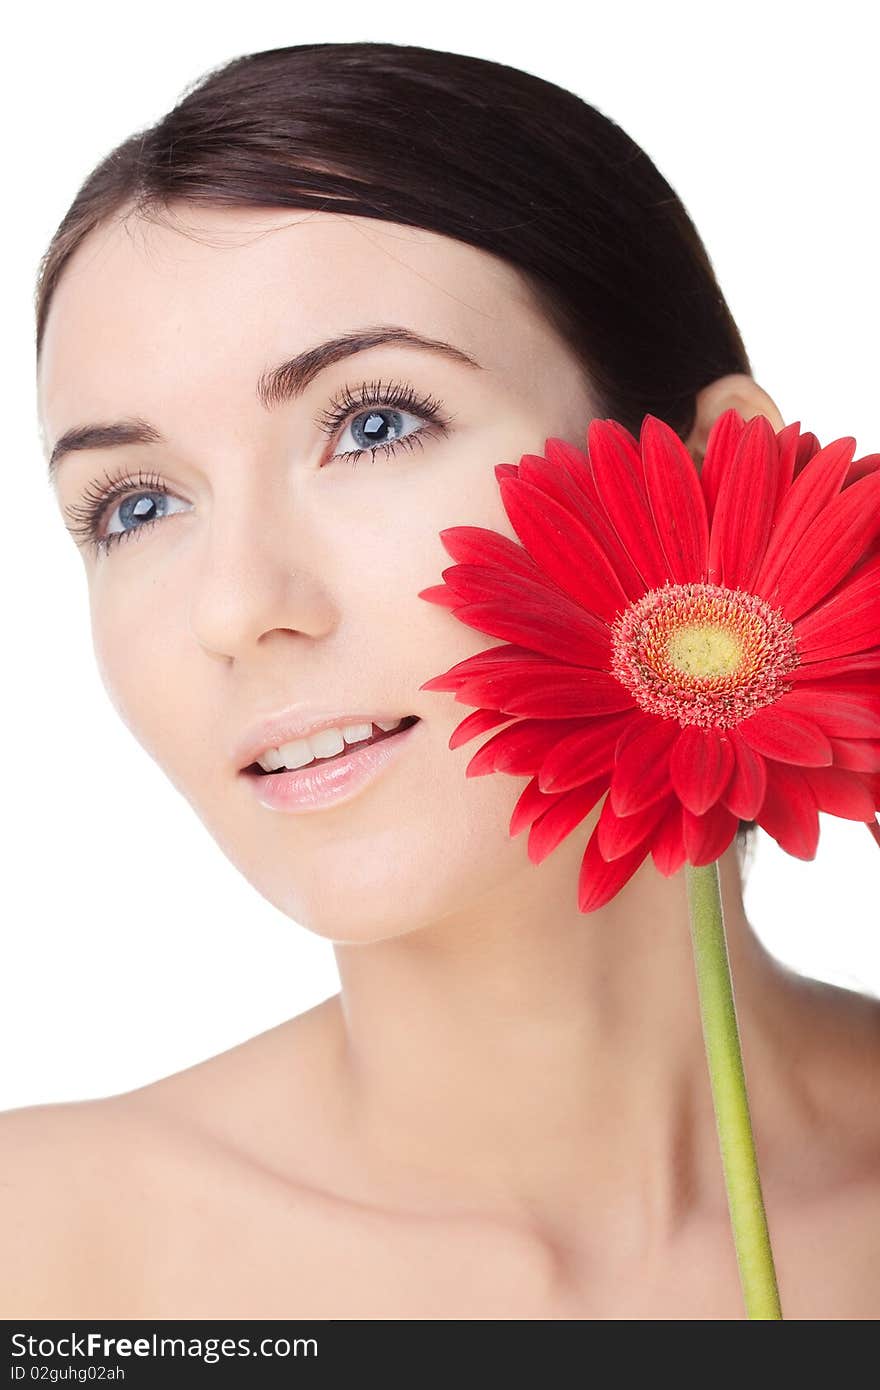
x=147, y=316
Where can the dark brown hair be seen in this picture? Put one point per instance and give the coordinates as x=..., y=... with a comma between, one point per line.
x=472, y=149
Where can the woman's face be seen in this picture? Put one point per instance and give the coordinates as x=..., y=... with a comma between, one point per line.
x=270, y=570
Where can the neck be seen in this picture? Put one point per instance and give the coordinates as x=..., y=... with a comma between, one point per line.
x=521, y=1056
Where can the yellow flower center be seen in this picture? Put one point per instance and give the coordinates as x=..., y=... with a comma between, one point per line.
x=703, y=654
x=704, y=651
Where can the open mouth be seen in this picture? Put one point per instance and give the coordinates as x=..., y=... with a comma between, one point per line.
x=254, y=770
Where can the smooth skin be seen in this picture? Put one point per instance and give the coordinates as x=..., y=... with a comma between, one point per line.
x=505, y=1113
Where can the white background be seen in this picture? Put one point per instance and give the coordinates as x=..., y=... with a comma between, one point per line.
x=129, y=946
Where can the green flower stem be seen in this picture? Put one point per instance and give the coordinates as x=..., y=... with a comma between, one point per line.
x=721, y=1037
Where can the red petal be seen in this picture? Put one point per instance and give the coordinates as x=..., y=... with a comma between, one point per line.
x=845, y=623
x=558, y=821
x=721, y=446
x=748, y=781
x=506, y=470
x=869, y=463
x=559, y=629
x=439, y=594
x=641, y=774
x=840, y=793
x=563, y=548
x=839, y=666
x=533, y=598
x=475, y=545
x=599, y=881
x=584, y=754
x=556, y=482
x=489, y=661
x=830, y=548
x=619, y=476
x=531, y=803
x=639, y=721
x=521, y=748
x=592, y=513
x=707, y=837
x=486, y=583
x=676, y=500
x=789, y=812
x=549, y=692
x=575, y=462
x=858, y=682
x=617, y=835
x=700, y=766
x=474, y=724
x=858, y=754
x=667, y=846
x=744, y=509
x=809, y=494
x=787, y=443
x=780, y=733
x=841, y=712
x=808, y=445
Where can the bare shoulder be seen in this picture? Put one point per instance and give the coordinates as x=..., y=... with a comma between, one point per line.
x=52, y=1151
x=103, y=1199
x=267, y=1101
x=57, y=1162
x=826, y=1174
x=844, y=1056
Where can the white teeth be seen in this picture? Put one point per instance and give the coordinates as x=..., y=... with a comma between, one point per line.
x=324, y=744
x=271, y=760
x=355, y=733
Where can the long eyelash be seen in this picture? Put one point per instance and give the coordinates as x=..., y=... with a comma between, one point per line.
x=398, y=394
x=98, y=497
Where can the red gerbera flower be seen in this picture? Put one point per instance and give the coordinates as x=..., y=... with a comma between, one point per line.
x=703, y=646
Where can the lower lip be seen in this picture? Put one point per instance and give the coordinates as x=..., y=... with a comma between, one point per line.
x=331, y=783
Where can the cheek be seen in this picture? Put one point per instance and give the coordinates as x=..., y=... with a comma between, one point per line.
x=427, y=842
x=140, y=666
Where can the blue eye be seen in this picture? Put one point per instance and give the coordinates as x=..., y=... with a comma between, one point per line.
x=375, y=425
x=145, y=507
x=376, y=400
x=139, y=493
x=144, y=498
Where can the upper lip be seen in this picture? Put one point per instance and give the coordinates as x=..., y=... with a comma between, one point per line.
x=297, y=722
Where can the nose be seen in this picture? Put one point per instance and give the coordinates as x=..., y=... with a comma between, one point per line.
x=254, y=572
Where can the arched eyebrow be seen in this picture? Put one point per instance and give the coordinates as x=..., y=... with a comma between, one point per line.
x=276, y=386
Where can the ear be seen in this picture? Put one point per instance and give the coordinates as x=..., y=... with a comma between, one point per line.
x=738, y=391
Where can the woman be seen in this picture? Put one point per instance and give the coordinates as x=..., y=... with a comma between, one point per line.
x=505, y=1112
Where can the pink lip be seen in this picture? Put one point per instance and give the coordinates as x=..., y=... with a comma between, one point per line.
x=297, y=722
x=328, y=784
